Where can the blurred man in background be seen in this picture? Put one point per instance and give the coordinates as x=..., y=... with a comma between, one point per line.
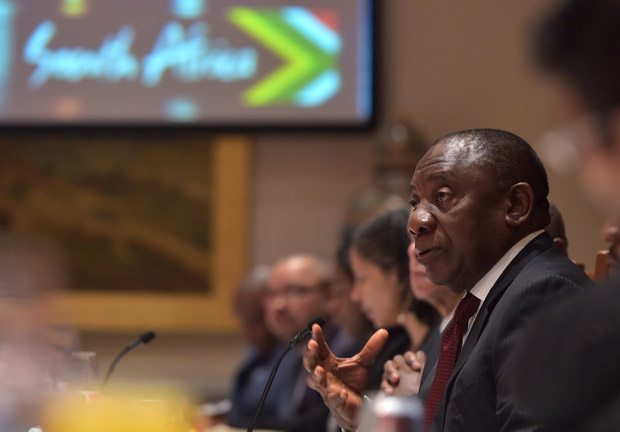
x=299, y=291
x=264, y=350
x=566, y=366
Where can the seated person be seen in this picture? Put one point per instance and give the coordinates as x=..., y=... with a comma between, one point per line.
x=478, y=212
x=346, y=313
x=401, y=374
x=298, y=290
x=252, y=374
x=380, y=265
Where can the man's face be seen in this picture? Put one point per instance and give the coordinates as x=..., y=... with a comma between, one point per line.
x=457, y=218
x=294, y=297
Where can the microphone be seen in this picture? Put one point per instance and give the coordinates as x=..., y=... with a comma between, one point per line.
x=143, y=339
x=306, y=331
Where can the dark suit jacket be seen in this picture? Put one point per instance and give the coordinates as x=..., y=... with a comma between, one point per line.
x=478, y=396
x=574, y=385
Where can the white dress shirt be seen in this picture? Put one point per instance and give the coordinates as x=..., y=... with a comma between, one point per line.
x=484, y=285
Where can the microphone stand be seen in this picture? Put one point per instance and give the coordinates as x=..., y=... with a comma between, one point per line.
x=298, y=338
x=268, y=386
x=142, y=340
x=113, y=365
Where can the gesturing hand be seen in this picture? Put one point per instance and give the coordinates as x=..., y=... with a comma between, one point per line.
x=340, y=381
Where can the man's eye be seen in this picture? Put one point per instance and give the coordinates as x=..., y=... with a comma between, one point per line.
x=442, y=196
x=414, y=204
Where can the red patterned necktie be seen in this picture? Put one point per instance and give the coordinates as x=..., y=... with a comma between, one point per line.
x=450, y=348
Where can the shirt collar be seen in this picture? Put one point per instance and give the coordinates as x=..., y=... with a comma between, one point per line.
x=484, y=285
x=446, y=320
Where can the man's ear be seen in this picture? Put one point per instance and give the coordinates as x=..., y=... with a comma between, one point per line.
x=520, y=204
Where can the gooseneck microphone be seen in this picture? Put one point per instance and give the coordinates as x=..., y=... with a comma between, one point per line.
x=306, y=331
x=143, y=339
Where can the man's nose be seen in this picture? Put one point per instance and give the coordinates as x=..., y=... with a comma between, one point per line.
x=420, y=221
x=279, y=300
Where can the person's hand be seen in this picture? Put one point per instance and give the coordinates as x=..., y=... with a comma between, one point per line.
x=340, y=381
x=402, y=374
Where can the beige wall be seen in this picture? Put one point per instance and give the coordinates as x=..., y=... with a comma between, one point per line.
x=444, y=66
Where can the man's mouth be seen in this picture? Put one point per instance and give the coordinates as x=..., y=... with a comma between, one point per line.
x=425, y=255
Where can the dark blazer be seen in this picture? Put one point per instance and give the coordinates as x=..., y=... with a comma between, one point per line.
x=478, y=396
x=574, y=385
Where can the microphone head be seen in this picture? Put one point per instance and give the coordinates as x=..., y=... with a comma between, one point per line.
x=317, y=320
x=147, y=337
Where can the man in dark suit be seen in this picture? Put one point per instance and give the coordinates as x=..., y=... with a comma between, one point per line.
x=478, y=209
x=298, y=290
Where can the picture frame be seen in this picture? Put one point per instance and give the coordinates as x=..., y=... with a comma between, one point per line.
x=206, y=311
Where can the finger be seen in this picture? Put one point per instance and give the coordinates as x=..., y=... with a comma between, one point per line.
x=410, y=358
x=421, y=356
x=386, y=387
x=391, y=372
x=372, y=347
x=317, y=380
x=412, y=361
x=335, y=399
x=321, y=376
x=310, y=357
x=400, y=362
x=323, y=350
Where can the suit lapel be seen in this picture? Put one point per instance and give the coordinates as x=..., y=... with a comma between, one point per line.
x=428, y=374
x=532, y=250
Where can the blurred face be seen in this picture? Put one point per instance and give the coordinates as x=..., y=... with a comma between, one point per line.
x=590, y=143
x=250, y=313
x=294, y=297
x=599, y=150
x=376, y=291
x=345, y=313
x=600, y=172
x=455, y=210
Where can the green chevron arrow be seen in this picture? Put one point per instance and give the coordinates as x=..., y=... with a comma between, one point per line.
x=304, y=61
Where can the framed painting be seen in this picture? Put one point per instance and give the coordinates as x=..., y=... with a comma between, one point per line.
x=151, y=227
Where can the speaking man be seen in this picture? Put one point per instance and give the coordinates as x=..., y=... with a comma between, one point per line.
x=478, y=211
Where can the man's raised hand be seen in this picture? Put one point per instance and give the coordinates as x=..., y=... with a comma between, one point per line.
x=341, y=381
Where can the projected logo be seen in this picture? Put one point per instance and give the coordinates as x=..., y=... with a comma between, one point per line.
x=308, y=43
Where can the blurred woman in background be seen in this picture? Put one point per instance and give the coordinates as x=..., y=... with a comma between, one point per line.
x=380, y=264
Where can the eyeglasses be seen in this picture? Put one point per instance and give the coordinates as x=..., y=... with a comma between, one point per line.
x=561, y=148
x=294, y=292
